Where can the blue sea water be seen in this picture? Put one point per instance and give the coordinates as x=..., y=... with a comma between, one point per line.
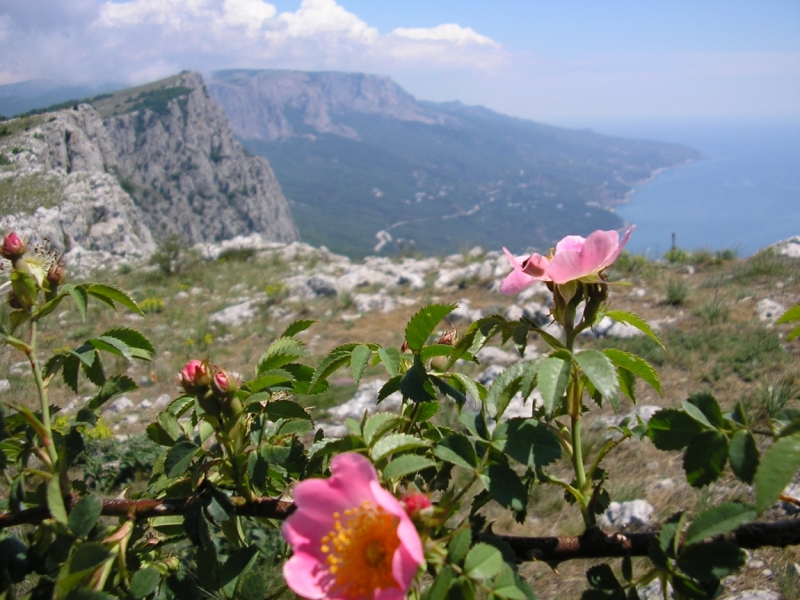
x=744, y=195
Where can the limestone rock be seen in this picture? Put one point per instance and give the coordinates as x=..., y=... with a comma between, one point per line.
x=620, y=515
x=768, y=310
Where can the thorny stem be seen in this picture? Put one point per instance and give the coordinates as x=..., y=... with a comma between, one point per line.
x=47, y=440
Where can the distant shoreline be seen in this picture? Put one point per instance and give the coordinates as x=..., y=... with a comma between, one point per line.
x=627, y=198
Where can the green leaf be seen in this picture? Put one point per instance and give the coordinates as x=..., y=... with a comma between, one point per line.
x=476, y=390
x=506, y=488
x=396, y=442
x=672, y=429
x=448, y=390
x=55, y=501
x=527, y=441
x=637, y=366
x=743, y=455
x=441, y=584
x=144, y=582
x=627, y=383
x=503, y=389
x=328, y=446
x=710, y=561
x=270, y=378
x=602, y=578
x=358, y=361
x=139, y=346
x=718, y=520
x=778, y=465
x=791, y=315
x=415, y=384
x=84, y=515
x=80, y=298
x=705, y=458
x=457, y=449
x=390, y=357
x=423, y=323
x=483, y=561
x=88, y=555
x=285, y=409
x=405, y=465
x=389, y=388
x=118, y=384
x=297, y=327
x=337, y=358
x=553, y=378
x=600, y=371
x=179, y=458
x=238, y=564
x=280, y=352
x=111, y=294
x=637, y=322
x=434, y=350
x=379, y=424
x=459, y=545
x=709, y=406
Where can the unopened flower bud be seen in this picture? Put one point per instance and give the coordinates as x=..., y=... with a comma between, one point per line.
x=414, y=503
x=194, y=376
x=449, y=337
x=13, y=247
x=222, y=383
x=404, y=346
x=56, y=274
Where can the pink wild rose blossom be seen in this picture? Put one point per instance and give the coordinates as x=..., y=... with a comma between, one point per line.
x=352, y=540
x=575, y=259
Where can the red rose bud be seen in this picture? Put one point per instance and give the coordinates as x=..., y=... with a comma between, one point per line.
x=221, y=383
x=13, y=247
x=415, y=502
x=194, y=376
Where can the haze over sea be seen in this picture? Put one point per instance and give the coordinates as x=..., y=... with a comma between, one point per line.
x=745, y=195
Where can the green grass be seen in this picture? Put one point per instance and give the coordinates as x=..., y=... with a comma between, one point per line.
x=28, y=192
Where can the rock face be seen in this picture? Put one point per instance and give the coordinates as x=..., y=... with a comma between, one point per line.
x=256, y=101
x=190, y=176
x=168, y=163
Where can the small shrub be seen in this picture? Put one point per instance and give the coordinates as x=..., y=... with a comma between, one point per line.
x=704, y=258
x=771, y=398
x=276, y=291
x=151, y=306
x=677, y=292
x=237, y=254
x=676, y=256
x=168, y=255
x=713, y=312
x=727, y=254
x=632, y=264
x=4, y=160
x=108, y=464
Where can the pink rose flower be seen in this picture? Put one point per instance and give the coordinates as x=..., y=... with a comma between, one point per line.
x=579, y=259
x=351, y=539
x=13, y=246
x=194, y=375
x=575, y=259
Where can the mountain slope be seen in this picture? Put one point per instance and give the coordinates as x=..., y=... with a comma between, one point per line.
x=366, y=167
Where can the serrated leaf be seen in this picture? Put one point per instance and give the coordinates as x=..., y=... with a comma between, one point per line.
x=483, y=561
x=297, y=327
x=503, y=389
x=94, y=373
x=506, y=488
x=405, y=465
x=55, y=501
x=600, y=371
x=423, y=323
x=710, y=561
x=144, y=582
x=280, y=352
x=84, y=515
x=80, y=298
x=709, y=406
x=327, y=446
x=415, y=384
x=270, y=378
x=553, y=377
x=475, y=390
x=602, y=578
x=672, y=429
x=396, y=442
x=705, y=458
x=718, y=520
x=627, y=383
x=337, y=359
x=237, y=565
x=778, y=465
x=637, y=322
x=358, y=361
x=179, y=458
x=390, y=357
x=118, y=384
x=389, y=388
x=285, y=409
x=457, y=449
x=448, y=390
x=111, y=294
x=637, y=366
x=791, y=315
x=441, y=584
x=743, y=455
x=140, y=346
x=378, y=424
x=88, y=556
x=459, y=545
x=527, y=441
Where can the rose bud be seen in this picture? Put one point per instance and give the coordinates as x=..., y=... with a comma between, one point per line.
x=13, y=247
x=449, y=337
x=414, y=503
x=194, y=376
x=56, y=274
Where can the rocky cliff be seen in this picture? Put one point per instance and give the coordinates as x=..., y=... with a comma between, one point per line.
x=116, y=177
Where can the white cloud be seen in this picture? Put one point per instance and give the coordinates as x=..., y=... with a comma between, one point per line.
x=326, y=17
x=449, y=32
x=250, y=13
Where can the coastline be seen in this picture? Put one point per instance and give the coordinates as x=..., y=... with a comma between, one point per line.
x=627, y=197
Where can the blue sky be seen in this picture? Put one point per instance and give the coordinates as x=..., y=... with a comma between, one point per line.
x=564, y=62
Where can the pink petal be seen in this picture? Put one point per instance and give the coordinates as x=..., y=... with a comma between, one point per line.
x=536, y=266
x=565, y=266
x=599, y=246
x=404, y=567
x=570, y=242
x=512, y=259
x=515, y=282
x=409, y=538
x=302, y=574
x=615, y=255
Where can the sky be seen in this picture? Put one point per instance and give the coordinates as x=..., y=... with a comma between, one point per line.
x=565, y=62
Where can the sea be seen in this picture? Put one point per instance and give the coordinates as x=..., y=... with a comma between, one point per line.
x=743, y=195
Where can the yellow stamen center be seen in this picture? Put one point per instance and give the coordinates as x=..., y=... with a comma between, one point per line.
x=359, y=550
